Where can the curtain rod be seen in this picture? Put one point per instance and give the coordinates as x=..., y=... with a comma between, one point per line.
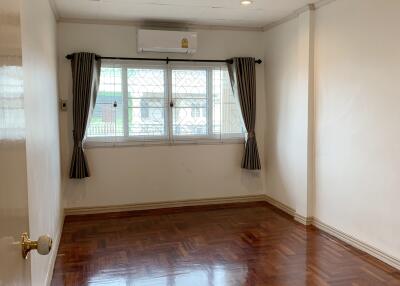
x=229, y=61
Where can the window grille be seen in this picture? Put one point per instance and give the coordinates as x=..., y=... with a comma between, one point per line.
x=140, y=102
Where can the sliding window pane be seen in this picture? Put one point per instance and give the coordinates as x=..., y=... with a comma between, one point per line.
x=227, y=117
x=189, y=94
x=107, y=118
x=146, y=102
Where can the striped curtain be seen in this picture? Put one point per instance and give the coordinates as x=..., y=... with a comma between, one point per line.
x=242, y=74
x=85, y=80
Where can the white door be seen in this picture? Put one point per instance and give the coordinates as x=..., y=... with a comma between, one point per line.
x=30, y=200
x=14, y=270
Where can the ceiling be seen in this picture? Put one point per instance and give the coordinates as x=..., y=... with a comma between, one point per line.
x=195, y=12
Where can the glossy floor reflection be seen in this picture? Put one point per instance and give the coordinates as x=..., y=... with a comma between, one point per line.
x=244, y=244
x=217, y=275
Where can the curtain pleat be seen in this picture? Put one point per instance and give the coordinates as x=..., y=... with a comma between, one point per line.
x=85, y=79
x=242, y=74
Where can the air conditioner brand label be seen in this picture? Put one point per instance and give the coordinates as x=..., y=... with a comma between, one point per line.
x=185, y=43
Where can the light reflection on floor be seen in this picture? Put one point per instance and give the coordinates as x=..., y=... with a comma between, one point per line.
x=216, y=275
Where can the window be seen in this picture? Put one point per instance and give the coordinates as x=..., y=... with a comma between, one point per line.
x=107, y=118
x=189, y=95
x=146, y=102
x=196, y=111
x=171, y=103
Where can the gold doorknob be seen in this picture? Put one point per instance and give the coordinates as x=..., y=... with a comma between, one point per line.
x=42, y=245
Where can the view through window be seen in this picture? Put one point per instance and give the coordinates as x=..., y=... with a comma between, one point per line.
x=147, y=102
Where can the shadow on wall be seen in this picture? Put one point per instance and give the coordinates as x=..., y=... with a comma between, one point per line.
x=276, y=154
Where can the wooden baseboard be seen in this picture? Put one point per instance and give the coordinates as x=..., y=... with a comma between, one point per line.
x=303, y=220
x=388, y=259
x=164, y=204
x=280, y=206
x=242, y=199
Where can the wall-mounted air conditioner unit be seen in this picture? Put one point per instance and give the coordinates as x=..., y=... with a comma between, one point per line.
x=166, y=41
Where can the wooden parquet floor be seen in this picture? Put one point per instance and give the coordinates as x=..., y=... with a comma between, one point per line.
x=226, y=245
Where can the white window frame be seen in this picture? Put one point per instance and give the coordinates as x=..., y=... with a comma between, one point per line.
x=168, y=138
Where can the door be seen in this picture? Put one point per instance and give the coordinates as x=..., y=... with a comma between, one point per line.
x=14, y=270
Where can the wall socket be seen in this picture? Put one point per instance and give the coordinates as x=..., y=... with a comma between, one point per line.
x=63, y=105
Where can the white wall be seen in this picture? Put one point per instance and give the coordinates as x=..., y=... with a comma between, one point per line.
x=357, y=111
x=165, y=173
x=42, y=137
x=357, y=120
x=288, y=68
x=286, y=116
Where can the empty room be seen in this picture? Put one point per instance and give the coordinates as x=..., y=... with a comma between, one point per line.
x=199, y=142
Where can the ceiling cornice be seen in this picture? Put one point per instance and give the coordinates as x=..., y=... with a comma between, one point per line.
x=187, y=26
x=289, y=17
x=53, y=7
x=295, y=14
x=160, y=25
x=322, y=3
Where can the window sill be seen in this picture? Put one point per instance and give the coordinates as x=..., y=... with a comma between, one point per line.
x=132, y=143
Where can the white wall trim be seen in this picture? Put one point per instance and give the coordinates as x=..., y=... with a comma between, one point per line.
x=164, y=204
x=289, y=17
x=186, y=26
x=280, y=206
x=53, y=7
x=54, y=252
x=381, y=255
x=295, y=14
x=373, y=251
x=161, y=25
x=311, y=118
x=303, y=220
x=323, y=3
x=342, y=236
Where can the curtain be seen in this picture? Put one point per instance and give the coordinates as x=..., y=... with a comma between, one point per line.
x=242, y=74
x=85, y=83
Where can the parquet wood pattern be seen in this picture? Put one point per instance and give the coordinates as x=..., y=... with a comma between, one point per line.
x=227, y=245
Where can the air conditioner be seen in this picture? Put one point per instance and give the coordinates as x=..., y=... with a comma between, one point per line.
x=166, y=41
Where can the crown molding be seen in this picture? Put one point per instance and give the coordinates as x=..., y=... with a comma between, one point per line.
x=295, y=14
x=187, y=26
x=158, y=25
x=323, y=3
x=53, y=7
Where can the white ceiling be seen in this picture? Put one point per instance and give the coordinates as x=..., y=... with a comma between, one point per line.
x=197, y=12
